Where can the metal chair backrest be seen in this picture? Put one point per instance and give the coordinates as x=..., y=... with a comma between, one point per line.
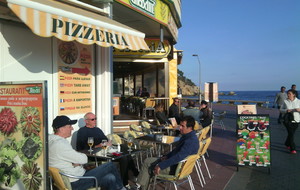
x=115, y=139
x=146, y=128
x=132, y=134
x=201, y=144
x=222, y=115
x=145, y=124
x=204, y=132
x=150, y=103
x=206, y=145
x=58, y=180
x=134, y=127
x=197, y=126
x=187, y=166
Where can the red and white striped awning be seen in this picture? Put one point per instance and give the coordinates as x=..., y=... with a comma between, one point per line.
x=48, y=18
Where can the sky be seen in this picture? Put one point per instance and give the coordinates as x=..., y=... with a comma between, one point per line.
x=241, y=44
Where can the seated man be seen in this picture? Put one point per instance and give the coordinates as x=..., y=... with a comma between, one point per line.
x=192, y=111
x=206, y=118
x=160, y=115
x=90, y=130
x=69, y=161
x=187, y=145
x=174, y=110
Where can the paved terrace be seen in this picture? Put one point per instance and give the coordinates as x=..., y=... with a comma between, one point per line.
x=285, y=168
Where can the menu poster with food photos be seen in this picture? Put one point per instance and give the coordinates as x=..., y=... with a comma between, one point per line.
x=22, y=136
x=74, y=77
x=253, y=140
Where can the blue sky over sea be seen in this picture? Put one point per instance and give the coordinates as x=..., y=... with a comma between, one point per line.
x=242, y=45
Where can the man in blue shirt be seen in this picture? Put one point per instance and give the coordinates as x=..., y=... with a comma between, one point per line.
x=187, y=145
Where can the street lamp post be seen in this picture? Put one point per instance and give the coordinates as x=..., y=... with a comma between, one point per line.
x=196, y=55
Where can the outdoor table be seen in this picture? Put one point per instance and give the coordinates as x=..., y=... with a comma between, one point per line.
x=157, y=128
x=98, y=154
x=160, y=140
x=161, y=128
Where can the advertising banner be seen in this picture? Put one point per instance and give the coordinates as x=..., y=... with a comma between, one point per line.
x=211, y=92
x=74, y=78
x=23, y=136
x=253, y=140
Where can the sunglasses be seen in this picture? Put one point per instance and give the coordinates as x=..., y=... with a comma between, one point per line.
x=92, y=119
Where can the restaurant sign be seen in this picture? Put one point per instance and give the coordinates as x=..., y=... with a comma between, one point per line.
x=154, y=9
x=48, y=18
x=82, y=32
x=144, y=5
x=157, y=49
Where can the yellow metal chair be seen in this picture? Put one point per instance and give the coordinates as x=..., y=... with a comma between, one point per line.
x=198, y=169
x=149, y=106
x=201, y=152
x=197, y=126
x=146, y=128
x=183, y=172
x=115, y=139
x=203, y=132
x=61, y=180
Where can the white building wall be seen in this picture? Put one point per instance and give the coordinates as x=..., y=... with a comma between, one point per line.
x=25, y=56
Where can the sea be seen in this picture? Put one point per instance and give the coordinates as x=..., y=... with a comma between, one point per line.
x=266, y=96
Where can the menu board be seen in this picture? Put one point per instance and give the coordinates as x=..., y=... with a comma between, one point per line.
x=22, y=136
x=253, y=140
x=74, y=77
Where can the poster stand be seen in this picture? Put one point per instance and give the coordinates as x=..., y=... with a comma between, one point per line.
x=253, y=141
x=23, y=135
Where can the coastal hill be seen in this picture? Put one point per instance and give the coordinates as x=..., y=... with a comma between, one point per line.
x=188, y=89
x=187, y=86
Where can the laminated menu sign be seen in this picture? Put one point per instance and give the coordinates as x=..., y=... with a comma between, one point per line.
x=253, y=140
x=22, y=136
x=74, y=77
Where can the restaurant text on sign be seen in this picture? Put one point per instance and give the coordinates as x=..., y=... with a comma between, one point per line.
x=145, y=5
x=81, y=31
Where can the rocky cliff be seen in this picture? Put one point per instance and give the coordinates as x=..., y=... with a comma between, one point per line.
x=188, y=90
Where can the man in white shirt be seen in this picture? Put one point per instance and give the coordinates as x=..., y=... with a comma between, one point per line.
x=69, y=161
x=279, y=100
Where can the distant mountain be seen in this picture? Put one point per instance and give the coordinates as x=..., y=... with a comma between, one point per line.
x=187, y=86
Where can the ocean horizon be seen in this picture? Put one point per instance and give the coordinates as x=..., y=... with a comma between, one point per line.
x=263, y=95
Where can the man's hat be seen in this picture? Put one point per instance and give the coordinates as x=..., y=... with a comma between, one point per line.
x=61, y=121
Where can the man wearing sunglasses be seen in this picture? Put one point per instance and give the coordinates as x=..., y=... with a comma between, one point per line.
x=66, y=159
x=174, y=110
x=90, y=130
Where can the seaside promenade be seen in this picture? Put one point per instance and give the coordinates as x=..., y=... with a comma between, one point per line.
x=285, y=167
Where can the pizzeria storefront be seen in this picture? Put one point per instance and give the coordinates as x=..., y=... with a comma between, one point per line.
x=154, y=69
x=67, y=49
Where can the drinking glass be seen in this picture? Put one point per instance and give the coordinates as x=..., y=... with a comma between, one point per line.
x=90, y=143
x=104, y=146
x=130, y=143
